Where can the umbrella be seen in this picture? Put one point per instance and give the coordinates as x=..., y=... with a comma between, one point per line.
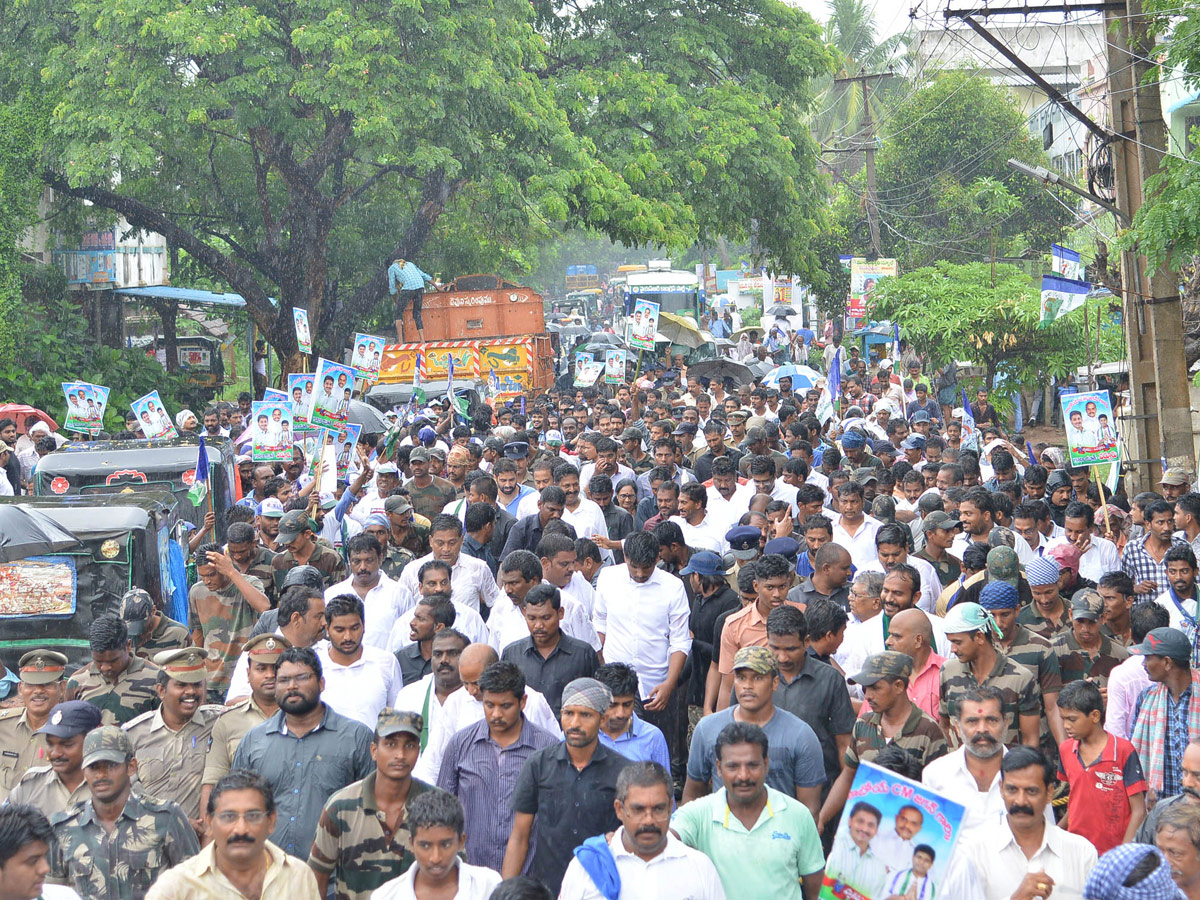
x=779, y=310
x=553, y=328
x=721, y=369
x=761, y=368
x=721, y=301
x=367, y=416
x=25, y=531
x=680, y=330
x=802, y=377
x=574, y=330
x=19, y=412
x=604, y=339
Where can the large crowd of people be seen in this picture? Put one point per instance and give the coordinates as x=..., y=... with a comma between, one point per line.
x=633, y=641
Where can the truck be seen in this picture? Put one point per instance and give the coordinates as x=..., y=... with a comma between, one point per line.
x=488, y=327
x=582, y=277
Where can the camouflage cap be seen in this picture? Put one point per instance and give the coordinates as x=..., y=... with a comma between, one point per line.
x=1087, y=603
x=1002, y=565
x=266, y=648
x=292, y=525
x=136, y=608
x=108, y=743
x=42, y=667
x=396, y=505
x=186, y=664
x=397, y=721
x=756, y=659
x=888, y=664
x=1002, y=537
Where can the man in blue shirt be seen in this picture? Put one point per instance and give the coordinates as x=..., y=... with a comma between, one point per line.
x=620, y=728
x=406, y=283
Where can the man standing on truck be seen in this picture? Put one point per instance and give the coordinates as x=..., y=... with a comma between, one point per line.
x=406, y=283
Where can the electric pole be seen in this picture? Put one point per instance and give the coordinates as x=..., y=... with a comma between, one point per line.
x=868, y=148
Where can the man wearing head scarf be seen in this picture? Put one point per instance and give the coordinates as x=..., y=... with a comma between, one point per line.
x=972, y=633
x=581, y=768
x=1047, y=614
x=185, y=420
x=1131, y=872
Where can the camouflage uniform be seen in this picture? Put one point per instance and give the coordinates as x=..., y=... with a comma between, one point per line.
x=324, y=559
x=429, y=500
x=1039, y=624
x=225, y=618
x=132, y=694
x=261, y=568
x=353, y=844
x=1117, y=639
x=417, y=542
x=168, y=635
x=1022, y=697
x=227, y=733
x=1076, y=663
x=920, y=735
x=20, y=748
x=1034, y=653
x=150, y=837
x=395, y=559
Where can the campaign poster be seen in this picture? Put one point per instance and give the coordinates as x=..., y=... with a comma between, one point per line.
x=85, y=406
x=582, y=361
x=895, y=838
x=271, y=431
x=275, y=396
x=332, y=386
x=865, y=275
x=303, y=335
x=614, y=367
x=367, y=357
x=300, y=388
x=643, y=325
x=589, y=374
x=344, y=440
x=152, y=416
x=1091, y=429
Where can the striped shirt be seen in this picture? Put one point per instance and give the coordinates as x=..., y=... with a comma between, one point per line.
x=1140, y=566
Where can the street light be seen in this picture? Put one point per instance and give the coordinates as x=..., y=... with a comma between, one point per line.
x=1047, y=177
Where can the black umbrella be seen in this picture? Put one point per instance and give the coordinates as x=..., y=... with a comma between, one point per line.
x=575, y=330
x=722, y=368
x=25, y=531
x=780, y=310
x=367, y=416
x=603, y=338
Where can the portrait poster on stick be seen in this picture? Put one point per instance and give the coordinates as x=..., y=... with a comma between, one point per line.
x=1091, y=430
x=332, y=386
x=271, y=434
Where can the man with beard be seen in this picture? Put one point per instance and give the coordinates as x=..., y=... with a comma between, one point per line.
x=428, y=695
x=1023, y=855
x=580, y=767
x=381, y=597
x=618, y=522
x=360, y=679
x=170, y=742
x=306, y=751
x=646, y=855
x=1168, y=711
x=241, y=816
x=762, y=842
x=116, y=843
x=1047, y=615
x=41, y=687
x=363, y=836
x=59, y=785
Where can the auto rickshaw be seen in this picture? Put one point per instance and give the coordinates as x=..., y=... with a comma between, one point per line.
x=50, y=601
x=126, y=467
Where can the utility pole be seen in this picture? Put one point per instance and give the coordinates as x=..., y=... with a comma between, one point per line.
x=868, y=148
x=1159, y=428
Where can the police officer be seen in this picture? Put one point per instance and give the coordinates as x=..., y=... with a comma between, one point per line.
x=150, y=630
x=41, y=687
x=170, y=743
x=58, y=786
x=114, y=845
x=118, y=683
x=261, y=653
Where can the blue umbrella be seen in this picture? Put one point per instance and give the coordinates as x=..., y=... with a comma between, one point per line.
x=802, y=377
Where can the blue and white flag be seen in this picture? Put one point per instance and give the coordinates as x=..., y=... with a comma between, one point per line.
x=970, y=437
x=1060, y=296
x=1067, y=262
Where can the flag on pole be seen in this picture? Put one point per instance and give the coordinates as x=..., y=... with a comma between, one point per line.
x=1067, y=263
x=835, y=381
x=1029, y=451
x=523, y=410
x=969, y=438
x=418, y=394
x=199, y=489
x=493, y=384
x=1060, y=296
x=896, y=342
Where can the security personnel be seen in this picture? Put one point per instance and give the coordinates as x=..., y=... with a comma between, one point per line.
x=58, y=786
x=41, y=673
x=117, y=842
x=150, y=630
x=118, y=683
x=170, y=743
x=262, y=653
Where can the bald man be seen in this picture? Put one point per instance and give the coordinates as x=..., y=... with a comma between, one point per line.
x=465, y=707
x=910, y=632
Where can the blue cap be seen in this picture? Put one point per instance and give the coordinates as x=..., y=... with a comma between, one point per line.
x=878, y=447
x=913, y=442
x=853, y=440
x=920, y=416
x=71, y=718
x=426, y=435
x=516, y=450
x=704, y=563
x=784, y=546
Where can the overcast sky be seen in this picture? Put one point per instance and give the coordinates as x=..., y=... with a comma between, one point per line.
x=891, y=16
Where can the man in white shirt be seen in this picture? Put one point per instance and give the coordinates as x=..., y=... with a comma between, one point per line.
x=381, y=597
x=434, y=577
x=428, y=695
x=852, y=528
x=700, y=530
x=359, y=680
x=762, y=475
x=473, y=584
x=891, y=548
x=727, y=500
x=585, y=516
x=641, y=617
x=1023, y=855
x=650, y=861
x=1098, y=556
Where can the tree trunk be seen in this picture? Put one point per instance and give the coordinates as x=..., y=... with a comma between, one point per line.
x=169, y=313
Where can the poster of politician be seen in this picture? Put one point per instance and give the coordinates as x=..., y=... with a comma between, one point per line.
x=332, y=384
x=271, y=431
x=614, y=366
x=1091, y=429
x=85, y=406
x=300, y=389
x=344, y=440
x=643, y=325
x=895, y=839
x=152, y=417
x=303, y=335
x=367, y=356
